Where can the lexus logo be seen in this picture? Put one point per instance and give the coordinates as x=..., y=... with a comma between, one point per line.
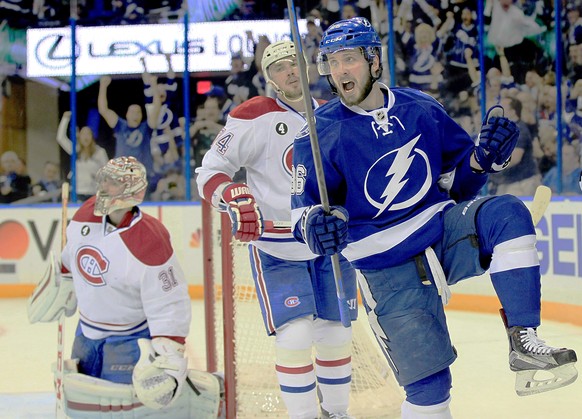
x=54, y=51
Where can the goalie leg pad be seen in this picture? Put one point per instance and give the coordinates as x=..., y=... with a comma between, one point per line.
x=53, y=296
x=205, y=391
x=94, y=398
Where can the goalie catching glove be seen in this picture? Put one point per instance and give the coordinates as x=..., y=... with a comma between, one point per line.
x=53, y=296
x=326, y=233
x=244, y=213
x=497, y=141
x=160, y=373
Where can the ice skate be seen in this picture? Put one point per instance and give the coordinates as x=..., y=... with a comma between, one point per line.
x=341, y=415
x=529, y=355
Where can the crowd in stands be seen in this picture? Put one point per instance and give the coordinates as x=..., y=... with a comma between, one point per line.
x=437, y=51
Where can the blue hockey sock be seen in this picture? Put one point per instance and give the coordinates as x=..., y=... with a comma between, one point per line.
x=506, y=232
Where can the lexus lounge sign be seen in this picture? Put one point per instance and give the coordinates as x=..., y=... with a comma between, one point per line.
x=118, y=49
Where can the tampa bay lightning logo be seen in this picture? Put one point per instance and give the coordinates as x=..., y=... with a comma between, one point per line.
x=134, y=139
x=385, y=182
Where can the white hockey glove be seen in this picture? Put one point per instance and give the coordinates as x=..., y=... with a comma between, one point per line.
x=53, y=296
x=160, y=373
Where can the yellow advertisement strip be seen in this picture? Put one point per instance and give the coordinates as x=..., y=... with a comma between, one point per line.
x=560, y=312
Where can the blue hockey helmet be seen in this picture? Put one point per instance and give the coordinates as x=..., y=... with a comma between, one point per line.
x=347, y=34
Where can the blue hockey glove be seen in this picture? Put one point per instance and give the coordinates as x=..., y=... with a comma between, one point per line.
x=244, y=213
x=325, y=233
x=497, y=140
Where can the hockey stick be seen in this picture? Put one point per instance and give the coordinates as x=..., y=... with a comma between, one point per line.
x=341, y=295
x=60, y=408
x=540, y=203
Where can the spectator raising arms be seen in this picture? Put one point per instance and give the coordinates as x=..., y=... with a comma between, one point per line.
x=90, y=157
x=166, y=137
x=132, y=134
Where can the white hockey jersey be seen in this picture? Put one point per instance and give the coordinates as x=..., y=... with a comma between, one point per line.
x=258, y=136
x=126, y=279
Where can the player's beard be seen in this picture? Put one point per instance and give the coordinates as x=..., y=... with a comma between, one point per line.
x=356, y=100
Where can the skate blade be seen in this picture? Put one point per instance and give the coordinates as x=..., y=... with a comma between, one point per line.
x=526, y=384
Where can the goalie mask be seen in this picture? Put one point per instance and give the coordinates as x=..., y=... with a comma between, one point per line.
x=121, y=183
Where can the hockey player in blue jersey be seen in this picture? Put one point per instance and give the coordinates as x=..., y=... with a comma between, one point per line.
x=402, y=179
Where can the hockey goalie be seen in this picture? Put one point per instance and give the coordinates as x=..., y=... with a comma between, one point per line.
x=119, y=268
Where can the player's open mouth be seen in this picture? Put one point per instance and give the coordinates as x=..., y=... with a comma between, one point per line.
x=348, y=86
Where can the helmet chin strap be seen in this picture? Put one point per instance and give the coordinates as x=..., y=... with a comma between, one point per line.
x=282, y=93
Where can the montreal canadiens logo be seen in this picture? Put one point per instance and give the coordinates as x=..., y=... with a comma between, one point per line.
x=292, y=301
x=288, y=159
x=92, y=265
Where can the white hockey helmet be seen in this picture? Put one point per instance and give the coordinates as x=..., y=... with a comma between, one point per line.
x=121, y=183
x=275, y=52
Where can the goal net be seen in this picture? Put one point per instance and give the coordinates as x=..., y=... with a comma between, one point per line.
x=237, y=342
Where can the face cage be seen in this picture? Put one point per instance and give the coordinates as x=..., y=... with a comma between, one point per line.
x=369, y=53
x=105, y=204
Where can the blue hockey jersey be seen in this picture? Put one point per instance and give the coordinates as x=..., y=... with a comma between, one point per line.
x=395, y=169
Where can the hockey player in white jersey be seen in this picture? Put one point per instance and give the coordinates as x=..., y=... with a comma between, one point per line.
x=134, y=309
x=405, y=177
x=295, y=287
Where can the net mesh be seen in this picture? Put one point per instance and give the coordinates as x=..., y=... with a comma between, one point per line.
x=374, y=392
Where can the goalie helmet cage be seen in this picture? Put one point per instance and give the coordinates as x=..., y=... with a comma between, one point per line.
x=238, y=345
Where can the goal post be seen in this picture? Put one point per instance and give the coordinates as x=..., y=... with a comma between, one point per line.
x=245, y=353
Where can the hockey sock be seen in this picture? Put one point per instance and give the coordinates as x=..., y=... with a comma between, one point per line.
x=506, y=232
x=515, y=274
x=431, y=390
x=294, y=367
x=436, y=411
x=333, y=364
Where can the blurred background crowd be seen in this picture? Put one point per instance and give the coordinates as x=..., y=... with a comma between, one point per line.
x=531, y=67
